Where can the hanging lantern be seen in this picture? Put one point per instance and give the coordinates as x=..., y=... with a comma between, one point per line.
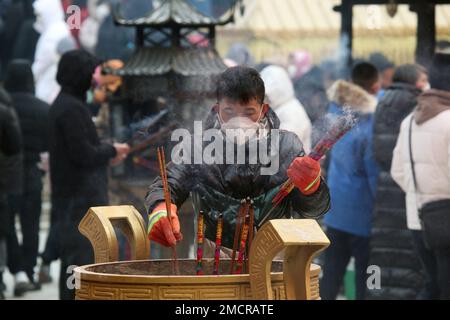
x=392, y=8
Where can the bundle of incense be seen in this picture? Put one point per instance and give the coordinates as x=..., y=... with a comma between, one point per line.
x=251, y=227
x=200, y=240
x=242, y=246
x=239, y=217
x=168, y=201
x=339, y=128
x=218, y=244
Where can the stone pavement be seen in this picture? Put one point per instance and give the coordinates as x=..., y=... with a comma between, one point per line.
x=48, y=291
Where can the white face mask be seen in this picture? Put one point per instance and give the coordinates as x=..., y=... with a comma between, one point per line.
x=426, y=87
x=241, y=129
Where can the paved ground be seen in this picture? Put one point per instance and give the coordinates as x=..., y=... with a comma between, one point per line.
x=49, y=291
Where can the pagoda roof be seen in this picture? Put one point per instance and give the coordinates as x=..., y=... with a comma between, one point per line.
x=172, y=13
x=151, y=61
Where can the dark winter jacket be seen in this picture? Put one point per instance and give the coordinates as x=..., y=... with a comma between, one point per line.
x=78, y=160
x=398, y=101
x=310, y=91
x=10, y=137
x=11, y=18
x=27, y=38
x=220, y=187
x=10, y=157
x=10, y=147
x=391, y=245
x=352, y=174
x=32, y=111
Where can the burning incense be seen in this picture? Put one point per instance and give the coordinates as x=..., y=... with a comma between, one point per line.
x=339, y=128
x=163, y=171
x=242, y=246
x=167, y=199
x=241, y=213
x=218, y=244
x=250, y=230
x=200, y=240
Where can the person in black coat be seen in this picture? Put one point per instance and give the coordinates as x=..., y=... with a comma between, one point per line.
x=11, y=19
x=78, y=161
x=10, y=152
x=391, y=245
x=310, y=91
x=32, y=114
x=27, y=38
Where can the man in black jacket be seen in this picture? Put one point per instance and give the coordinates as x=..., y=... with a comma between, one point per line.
x=78, y=161
x=219, y=186
x=32, y=114
x=10, y=152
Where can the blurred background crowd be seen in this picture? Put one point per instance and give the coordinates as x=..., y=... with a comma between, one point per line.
x=53, y=51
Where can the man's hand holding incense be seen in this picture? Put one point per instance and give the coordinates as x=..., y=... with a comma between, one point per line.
x=122, y=150
x=304, y=173
x=159, y=228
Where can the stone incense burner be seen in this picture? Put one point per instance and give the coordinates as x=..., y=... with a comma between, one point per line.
x=293, y=278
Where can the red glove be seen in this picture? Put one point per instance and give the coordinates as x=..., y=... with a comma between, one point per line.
x=159, y=228
x=304, y=172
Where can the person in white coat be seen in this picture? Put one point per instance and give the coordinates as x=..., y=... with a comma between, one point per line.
x=430, y=138
x=281, y=97
x=51, y=25
x=98, y=11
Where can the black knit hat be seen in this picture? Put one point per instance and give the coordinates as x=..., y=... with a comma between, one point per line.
x=439, y=74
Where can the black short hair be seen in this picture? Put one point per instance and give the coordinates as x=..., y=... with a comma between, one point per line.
x=240, y=84
x=408, y=73
x=365, y=75
x=439, y=75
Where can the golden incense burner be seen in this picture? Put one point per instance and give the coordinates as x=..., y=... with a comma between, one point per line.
x=293, y=278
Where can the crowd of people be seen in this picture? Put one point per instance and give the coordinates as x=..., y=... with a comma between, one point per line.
x=383, y=184
x=47, y=125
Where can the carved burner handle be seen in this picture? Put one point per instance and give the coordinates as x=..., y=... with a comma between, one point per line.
x=302, y=240
x=98, y=226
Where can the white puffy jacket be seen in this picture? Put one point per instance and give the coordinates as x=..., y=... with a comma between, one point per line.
x=281, y=97
x=431, y=154
x=53, y=28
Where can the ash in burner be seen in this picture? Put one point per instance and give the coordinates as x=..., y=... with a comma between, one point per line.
x=164, y=267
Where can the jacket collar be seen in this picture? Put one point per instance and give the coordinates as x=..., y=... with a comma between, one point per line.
x=405, y=86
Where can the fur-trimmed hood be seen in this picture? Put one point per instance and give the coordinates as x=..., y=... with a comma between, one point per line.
x=347, y=94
